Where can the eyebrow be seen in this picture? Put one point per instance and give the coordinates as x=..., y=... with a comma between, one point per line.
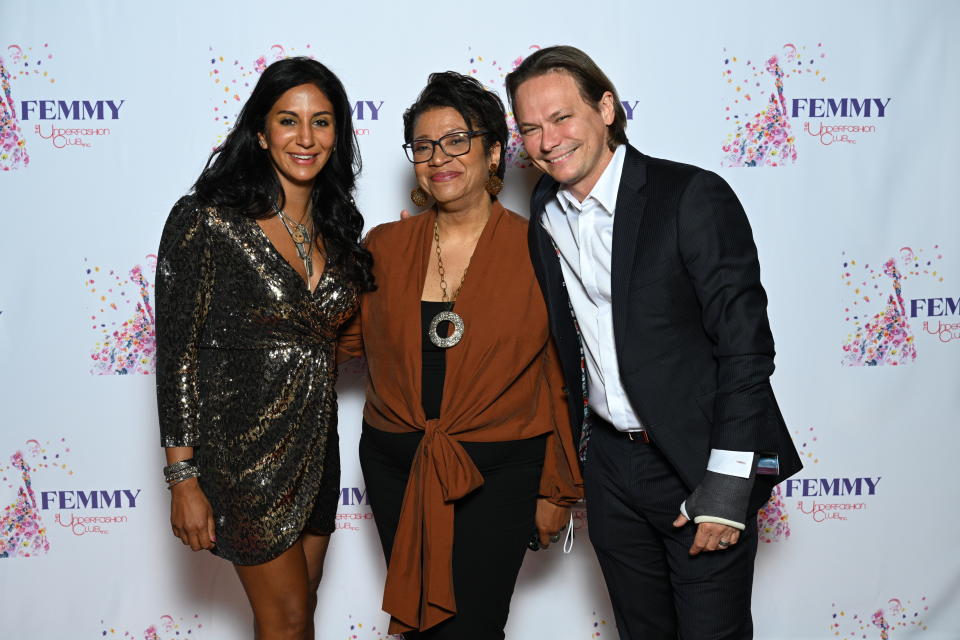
x=549, y=117
x=448, y=132
x=318, y=113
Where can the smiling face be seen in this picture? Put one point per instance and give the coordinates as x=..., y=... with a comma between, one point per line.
x=299, y=134
x=454, y=182
x=564, y=136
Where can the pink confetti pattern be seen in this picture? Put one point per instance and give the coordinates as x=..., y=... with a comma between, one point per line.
x=359, y=631
x=883, y=623
x=13, y=147
x=886, y=337
x=129, y=347
x=764, y=138
x=166, y=629
x=773, y=520
x=20, y=63
x=22, y=532
x=598, y=624
x=496, y=81
x=233, y=83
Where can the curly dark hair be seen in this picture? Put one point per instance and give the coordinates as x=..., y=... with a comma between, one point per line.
x=480, y=108
x=240, y=178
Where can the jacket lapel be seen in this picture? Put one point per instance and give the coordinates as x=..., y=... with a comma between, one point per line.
x=626, y=234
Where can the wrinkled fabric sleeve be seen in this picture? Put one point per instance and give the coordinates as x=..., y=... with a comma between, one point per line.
x=350, y=338
x=560, y=481
x=183, y=284
x=721, y=258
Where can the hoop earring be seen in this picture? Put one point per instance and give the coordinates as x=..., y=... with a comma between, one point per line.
x=419, y=197
x=494, y=184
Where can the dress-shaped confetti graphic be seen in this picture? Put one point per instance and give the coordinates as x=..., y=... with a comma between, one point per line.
x=887, y=339
x=13, y=146
x=22, y=532
x=131, y=348
x=773, y=520
x=767, y=140
x=516, y=156
x=880, y=622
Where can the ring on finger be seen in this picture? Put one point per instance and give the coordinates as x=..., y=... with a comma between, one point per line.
x=724, y=543
x=555, y=538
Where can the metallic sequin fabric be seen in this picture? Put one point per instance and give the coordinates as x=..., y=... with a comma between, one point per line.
x=245, y=374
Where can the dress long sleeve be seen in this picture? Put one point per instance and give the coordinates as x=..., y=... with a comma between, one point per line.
x=184, y=277
x=560, y=481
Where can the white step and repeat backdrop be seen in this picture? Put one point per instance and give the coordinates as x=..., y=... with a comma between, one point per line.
x=834, y=122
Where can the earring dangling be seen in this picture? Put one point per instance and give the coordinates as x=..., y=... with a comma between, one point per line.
x=494, y=184
x=419, y=197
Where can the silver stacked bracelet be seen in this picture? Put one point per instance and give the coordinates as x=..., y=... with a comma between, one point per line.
x=179, y=471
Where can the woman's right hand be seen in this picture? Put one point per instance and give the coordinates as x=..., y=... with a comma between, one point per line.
x=191, y=515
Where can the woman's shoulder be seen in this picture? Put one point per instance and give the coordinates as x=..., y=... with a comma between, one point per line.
x=515, y=219
x=397, y=230
x=190, y=210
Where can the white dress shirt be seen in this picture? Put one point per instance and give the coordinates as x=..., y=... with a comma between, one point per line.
x=583, y=234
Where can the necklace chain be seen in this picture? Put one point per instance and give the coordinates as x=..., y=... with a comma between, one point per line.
x=301, y=237
x=440, y=270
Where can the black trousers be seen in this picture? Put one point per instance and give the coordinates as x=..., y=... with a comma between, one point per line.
x=658, y=591
x=492, y=525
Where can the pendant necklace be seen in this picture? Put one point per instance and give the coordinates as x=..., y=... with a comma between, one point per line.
x=448, y=315
x=300, y=235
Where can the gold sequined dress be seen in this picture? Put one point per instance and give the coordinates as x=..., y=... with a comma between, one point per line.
x=245, y=374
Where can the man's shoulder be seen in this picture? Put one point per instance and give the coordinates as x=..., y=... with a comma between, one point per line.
x=663, y=169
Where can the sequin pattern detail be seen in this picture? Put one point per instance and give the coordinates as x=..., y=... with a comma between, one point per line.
x=245, y=374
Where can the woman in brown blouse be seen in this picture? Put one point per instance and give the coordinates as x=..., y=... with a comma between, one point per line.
x=466, y=448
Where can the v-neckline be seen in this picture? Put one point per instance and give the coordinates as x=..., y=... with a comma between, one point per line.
x=304, y=284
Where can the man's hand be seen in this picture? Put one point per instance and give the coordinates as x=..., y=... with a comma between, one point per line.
x=550, y=519
x=711, y=536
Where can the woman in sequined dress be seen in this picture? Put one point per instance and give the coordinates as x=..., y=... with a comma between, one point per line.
x=257, y=270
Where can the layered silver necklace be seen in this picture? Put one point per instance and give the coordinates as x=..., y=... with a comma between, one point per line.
x=302, y=239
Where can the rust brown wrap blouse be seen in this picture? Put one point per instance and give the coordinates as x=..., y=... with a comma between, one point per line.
x=503, y=382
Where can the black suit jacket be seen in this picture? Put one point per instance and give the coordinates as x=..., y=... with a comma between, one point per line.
x=689, y=317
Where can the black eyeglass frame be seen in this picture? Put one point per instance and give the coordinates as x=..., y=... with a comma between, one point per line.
x=408, y=146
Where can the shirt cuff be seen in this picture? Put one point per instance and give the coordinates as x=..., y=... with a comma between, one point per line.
x=731, y=463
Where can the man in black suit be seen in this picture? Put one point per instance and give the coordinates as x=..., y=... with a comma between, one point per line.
x=651, y=277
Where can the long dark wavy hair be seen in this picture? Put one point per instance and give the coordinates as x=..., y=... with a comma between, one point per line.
x=240, y=178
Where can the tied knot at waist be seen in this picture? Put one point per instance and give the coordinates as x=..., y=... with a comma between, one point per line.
x=419, y=590
x=456, y=472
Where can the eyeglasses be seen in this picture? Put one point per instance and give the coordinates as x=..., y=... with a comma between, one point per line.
x=452, y=144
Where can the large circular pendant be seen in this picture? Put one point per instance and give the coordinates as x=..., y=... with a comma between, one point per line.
x=452, y=318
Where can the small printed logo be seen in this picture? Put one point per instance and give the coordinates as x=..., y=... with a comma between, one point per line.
x=22, y=529
x=233, y=82
x=886, y=337
x=123, y=319
x=882, y=624
x=354, y=508
x=764, y=109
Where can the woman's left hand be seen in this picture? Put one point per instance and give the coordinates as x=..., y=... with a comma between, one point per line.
x=550, y=520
